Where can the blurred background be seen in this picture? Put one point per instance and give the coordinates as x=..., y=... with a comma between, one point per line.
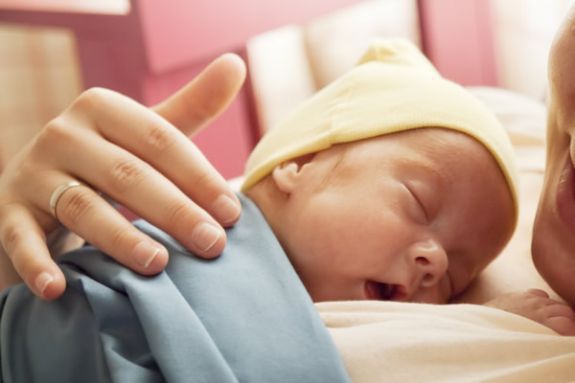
x=52, y=50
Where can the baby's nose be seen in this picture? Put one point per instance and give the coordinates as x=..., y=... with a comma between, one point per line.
x=430, y=262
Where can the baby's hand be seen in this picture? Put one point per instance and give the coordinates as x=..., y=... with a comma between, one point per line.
x=536, y=305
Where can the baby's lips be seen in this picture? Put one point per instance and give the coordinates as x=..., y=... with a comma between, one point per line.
x=385, y=291
x=371, y=291
x=400, y=293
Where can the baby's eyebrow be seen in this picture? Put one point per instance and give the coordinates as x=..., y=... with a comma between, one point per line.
x=434, y=177
x=436, y=181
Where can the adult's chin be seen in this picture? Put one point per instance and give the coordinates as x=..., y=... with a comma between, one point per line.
x=554, y=259
x=553, y=245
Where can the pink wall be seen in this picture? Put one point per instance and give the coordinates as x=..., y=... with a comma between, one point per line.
x=158, y=46
x=177, y=32
x=457, y=37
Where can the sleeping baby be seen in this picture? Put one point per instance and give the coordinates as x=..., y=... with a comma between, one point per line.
x=391, y=183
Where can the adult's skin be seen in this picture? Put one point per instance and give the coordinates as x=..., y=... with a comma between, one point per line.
x=553, y=246
x=137, y=156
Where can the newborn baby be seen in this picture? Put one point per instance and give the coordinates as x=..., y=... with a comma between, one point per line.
x=392, y=184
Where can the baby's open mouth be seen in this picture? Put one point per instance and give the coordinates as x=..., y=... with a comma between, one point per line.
x=383, y=291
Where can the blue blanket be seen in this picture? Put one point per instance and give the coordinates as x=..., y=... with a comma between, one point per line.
x=244, y=317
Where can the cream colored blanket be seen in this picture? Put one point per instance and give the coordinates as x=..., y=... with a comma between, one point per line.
x=409, y=342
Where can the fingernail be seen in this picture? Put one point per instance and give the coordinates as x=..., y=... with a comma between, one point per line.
x=145, y=253
x=43, y=281
x=225, y=209
x=205, y=236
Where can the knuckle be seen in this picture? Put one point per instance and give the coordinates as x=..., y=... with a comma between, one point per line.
x=208, y=107
x=177, y=212
x=202, y=112
x=125, y=174
x=75, y=205
x=55, y=132
x=158, y=138
x=206, y=179
x=121, y=239
x=92, y=98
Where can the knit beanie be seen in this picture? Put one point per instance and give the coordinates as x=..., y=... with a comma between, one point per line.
x=393, y=88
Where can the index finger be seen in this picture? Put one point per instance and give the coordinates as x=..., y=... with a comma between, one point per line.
x=191, y=108
x=206, y=96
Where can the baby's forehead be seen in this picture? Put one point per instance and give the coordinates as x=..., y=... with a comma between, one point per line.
x=430, y=139
x=428, y=153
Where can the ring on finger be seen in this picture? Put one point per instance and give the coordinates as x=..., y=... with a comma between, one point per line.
x=58, y=193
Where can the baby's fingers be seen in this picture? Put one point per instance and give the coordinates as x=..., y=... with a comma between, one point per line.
x=24, y=243
x=538, y=292
x=562, y=325
x=559, y=316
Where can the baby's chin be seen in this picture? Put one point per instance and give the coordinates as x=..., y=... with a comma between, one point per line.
x=554, y=258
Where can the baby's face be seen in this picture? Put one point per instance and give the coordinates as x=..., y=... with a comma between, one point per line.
x=412, y=216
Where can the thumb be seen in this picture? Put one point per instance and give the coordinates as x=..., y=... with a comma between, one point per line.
x=206, y=96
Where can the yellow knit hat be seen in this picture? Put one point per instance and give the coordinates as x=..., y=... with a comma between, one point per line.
x=393, y=88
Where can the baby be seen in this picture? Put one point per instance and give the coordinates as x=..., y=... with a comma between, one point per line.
x=413, y=216
x=393, y=184
x=389, y=184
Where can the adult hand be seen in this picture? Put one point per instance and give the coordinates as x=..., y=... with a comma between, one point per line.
x=137, y=156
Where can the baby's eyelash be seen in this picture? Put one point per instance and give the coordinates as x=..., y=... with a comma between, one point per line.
x=419, y=202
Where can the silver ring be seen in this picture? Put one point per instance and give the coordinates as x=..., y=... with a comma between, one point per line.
x=58, y=193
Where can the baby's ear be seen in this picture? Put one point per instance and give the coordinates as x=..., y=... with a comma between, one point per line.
x=285, y=176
